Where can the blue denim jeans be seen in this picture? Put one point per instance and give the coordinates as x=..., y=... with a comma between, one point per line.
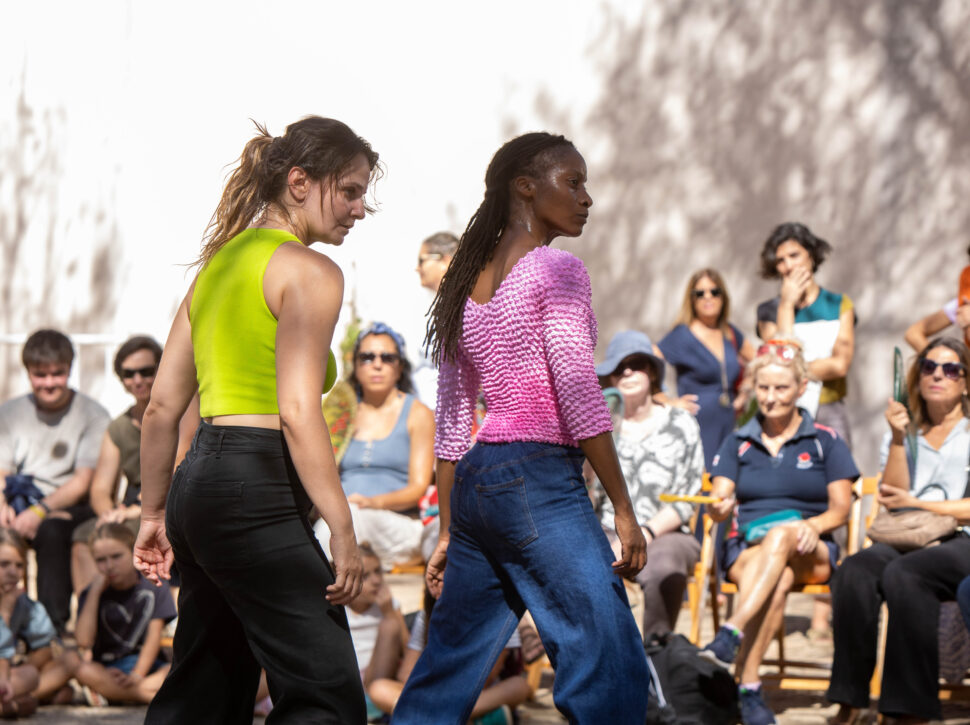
x=524, y=536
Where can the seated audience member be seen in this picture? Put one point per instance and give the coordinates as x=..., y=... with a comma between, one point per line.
x=504, y=687
x=135, y=364
x=376, y=624
x=22, y=622
x=51, y=438
x=120, y=618
x=912, y=583
x=434, y=256
x=660, y=451
x=388, y=464
x=780, y=462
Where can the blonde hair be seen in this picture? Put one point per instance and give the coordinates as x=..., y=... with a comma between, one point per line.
x=794, y=360
x=687, y=314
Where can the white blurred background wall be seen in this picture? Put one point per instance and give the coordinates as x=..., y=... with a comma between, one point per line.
x=704, y=125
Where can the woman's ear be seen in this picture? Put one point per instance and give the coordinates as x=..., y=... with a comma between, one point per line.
x=524, y=186
x=802, y=386
x=298, y=184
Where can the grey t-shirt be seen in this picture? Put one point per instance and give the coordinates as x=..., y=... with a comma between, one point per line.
x=47, y=445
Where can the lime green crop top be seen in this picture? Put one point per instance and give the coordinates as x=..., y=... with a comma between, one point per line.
x=233, y=330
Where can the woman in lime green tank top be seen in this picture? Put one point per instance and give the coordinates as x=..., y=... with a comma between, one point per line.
x=252, y=336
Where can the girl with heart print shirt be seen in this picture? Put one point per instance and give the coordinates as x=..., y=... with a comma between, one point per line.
x=120, y=617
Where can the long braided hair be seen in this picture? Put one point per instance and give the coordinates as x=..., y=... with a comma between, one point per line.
x=323, y=147
x=524, y=155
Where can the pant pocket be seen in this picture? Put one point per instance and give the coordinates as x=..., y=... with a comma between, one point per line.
x=212, y=523
x=504, y=508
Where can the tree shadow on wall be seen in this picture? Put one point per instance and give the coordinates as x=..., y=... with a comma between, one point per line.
x=718, y=120
x=59, y=264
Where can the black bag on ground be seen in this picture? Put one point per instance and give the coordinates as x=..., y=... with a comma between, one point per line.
x=688, y=689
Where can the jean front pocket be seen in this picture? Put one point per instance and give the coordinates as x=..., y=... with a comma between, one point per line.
x=504, y=508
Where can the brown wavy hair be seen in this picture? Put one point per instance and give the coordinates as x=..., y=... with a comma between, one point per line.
x=323, y=147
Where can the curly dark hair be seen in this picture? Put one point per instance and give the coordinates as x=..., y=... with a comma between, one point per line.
x=817, y=248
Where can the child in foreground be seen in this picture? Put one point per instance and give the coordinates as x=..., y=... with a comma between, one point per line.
x=120, y=618
x=23, y=621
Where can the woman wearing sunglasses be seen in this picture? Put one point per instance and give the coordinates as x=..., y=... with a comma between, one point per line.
x=135, y=364
x=707, y=352
x=790, y=481
x=389, y=462
x=932, y=478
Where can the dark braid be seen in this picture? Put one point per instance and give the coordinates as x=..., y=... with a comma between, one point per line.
x=522, y=156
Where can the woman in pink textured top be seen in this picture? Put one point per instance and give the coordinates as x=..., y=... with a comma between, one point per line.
x=513, y=319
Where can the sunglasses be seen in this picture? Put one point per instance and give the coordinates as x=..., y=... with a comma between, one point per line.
x=368, y=358
x=638, y=364
x=147, y=372
x=422, y=258
x=951, y=370
x=782, y=350
x=700, y=294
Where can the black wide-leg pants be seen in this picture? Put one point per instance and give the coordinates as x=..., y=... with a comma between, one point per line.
x=253, y=591
x=912, y=585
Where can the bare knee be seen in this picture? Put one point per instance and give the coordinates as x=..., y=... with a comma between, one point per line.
x=780, y=540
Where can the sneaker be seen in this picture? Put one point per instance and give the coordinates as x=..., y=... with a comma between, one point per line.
x=723, y=648
x=754, y=711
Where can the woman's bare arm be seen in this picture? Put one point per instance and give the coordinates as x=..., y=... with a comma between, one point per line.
x=919, y=333
x=305, y=291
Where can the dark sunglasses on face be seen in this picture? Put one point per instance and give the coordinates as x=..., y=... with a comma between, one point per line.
x=636, y=364
x=700, y=294
x=951, y=370
x=388, y=358
x=147, y=372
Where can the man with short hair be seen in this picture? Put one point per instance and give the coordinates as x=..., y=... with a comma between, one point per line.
x=52, y=437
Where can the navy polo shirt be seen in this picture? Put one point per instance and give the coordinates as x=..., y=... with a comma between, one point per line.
x=797, y=478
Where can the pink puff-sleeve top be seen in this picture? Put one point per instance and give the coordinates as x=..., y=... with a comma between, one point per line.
x=530, y=351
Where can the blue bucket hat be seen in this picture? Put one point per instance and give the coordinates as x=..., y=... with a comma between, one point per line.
x=624, y=344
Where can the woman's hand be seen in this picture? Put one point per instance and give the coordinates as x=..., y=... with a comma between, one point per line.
x=722, y=508
x=688, y=402
x=794, y=284
x=360, y=501
x=153, y=555
x=896, y=498
x=434, y=575
x=807, y=537
x=633, y=546
x=347, y=566
x=898, y=420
